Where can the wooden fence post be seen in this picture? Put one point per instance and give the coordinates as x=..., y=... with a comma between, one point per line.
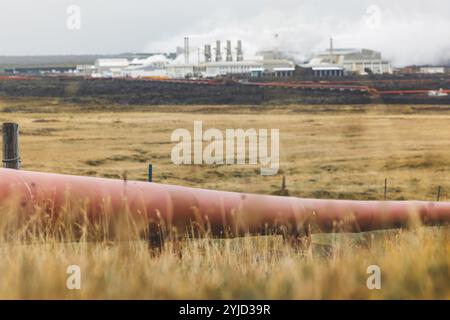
x=11, y=154
x=150, y=173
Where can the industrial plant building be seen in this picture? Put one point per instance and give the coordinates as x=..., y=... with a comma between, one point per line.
x=338, y=62
x=278, y=68
x=425, y=69
x=220, y=68
x=110, y=67
x=227, y=61
x=432, y=70
x=214, y=62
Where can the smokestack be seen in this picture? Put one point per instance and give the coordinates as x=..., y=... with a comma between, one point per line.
x=229, y=55
x=186, y=50
x=218, y=52
x=239, y=54
x=331, y=50
x=208, y=55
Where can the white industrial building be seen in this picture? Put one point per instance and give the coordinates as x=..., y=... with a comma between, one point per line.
x=359, y=61
x=110, y=68
x=327, y=70
x=154, y=66
x=214, y=69
x=432, y=70
x=278, y=68
x=255, y=68
x=180, y=71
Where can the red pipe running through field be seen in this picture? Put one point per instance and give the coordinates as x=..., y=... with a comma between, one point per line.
x=401, y=92
x=239, y=213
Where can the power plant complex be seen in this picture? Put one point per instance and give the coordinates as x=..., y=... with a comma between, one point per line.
x=228, y=58
x=218, y=60
x=205, y=62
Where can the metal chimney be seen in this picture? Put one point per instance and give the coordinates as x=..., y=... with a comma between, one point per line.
x=186, y=50
x=229, y=55
x=218, y=51
x=331, y=51
x=208, y=55
x=239, y=54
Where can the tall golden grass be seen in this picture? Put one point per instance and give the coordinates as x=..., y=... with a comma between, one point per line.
x=326, y=152
x=117, y=262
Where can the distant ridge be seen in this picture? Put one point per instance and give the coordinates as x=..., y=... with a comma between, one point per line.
x=59, y=60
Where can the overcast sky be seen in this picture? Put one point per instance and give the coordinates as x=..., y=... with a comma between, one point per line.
x=406, y=31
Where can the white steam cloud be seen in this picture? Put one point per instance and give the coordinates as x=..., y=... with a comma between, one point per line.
x=404, y=33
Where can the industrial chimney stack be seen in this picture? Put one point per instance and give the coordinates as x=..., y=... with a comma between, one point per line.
x=218, y=51
x=331, y=51
x=208, y=55
x=239, y=54
x=229, y=55
x=186, y=50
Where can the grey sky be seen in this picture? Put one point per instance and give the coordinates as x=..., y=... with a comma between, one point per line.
x=409, y=31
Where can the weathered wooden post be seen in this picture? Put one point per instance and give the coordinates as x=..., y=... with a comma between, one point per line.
x=11, y=155
x=150, y=173
x=283, y=190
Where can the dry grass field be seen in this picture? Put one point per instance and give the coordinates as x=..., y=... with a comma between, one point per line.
x=326, y=152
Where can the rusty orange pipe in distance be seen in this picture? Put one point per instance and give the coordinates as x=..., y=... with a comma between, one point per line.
x=244, y=213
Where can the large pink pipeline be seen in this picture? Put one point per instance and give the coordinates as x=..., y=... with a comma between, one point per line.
x=237, y=213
